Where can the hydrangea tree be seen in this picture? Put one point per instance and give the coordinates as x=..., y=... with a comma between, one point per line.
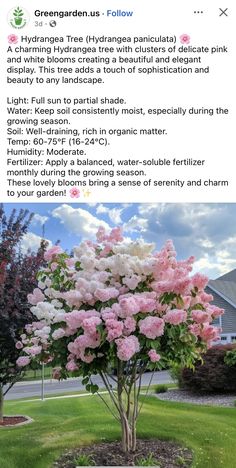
x=115, y=305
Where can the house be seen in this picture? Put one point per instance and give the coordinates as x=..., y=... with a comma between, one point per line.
x=223, y=289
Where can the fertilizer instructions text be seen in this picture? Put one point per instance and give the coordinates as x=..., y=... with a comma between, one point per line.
x=117, y=109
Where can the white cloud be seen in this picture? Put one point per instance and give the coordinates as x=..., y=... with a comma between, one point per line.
x=102, y=209
x=205, y=230
x=79, y=221
x=206, y=243
x=31, y=241
x=223, y=253
x=187, y=213
x=38, y=219
x=113, y=213
x=205, y=263
x=115, y=216
x=136, y=224
x=148, y=208
x=231, y=241
x=214, y=266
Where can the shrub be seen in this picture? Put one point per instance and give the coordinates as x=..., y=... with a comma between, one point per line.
x=161, y=388
x=213, y=375
x=175, y=372
x=230, y=357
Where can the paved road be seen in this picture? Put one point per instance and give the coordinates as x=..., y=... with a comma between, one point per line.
x=33, y=389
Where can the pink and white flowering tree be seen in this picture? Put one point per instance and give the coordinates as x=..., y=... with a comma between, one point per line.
x=116, y=305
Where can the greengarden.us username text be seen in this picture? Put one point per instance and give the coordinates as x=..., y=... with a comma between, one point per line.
x=66, y=14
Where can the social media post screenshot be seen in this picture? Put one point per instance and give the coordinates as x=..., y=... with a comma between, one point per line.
x=117, y=101
x=117, y=234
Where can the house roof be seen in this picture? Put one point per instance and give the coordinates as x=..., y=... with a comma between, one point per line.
x=230, y=276
x=225, y=286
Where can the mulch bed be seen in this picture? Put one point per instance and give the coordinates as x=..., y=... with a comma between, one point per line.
x=167, y=455
x=12, y=420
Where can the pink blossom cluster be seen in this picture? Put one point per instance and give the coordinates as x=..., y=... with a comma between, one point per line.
x=154, y=356
x=36, y=296
x=175, y=316
x=113, y=237
x=127, y=347
x=119, y=296
x=51, y=253
x=152, y=327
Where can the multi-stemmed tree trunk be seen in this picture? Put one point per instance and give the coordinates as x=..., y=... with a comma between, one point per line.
x=124, y=395
x=128, y=393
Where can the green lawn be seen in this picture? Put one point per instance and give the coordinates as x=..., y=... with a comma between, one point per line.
x=37, y=374
x=66, y=423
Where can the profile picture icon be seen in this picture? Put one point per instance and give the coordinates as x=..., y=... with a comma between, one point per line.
x=18, y=17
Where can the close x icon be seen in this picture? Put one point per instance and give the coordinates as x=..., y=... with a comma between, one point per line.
x=223, y=11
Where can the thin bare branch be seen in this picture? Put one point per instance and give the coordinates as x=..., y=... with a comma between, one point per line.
x=110, y=391
x=108, y=407
x=146, y=391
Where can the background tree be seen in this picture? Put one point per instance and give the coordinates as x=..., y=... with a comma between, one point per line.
x=17, y=278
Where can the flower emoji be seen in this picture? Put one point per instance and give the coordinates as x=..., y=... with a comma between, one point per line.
x=12, y=39
x=74, y=192
x=185, y=39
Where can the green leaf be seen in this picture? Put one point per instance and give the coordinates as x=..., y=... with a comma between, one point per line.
x=85, y=380
x=94, y=388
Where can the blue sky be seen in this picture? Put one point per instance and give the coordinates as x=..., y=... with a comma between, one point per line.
x=207, y=231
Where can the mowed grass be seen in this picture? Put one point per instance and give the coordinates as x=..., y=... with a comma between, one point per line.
x=66, y=423
x=37, y=374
